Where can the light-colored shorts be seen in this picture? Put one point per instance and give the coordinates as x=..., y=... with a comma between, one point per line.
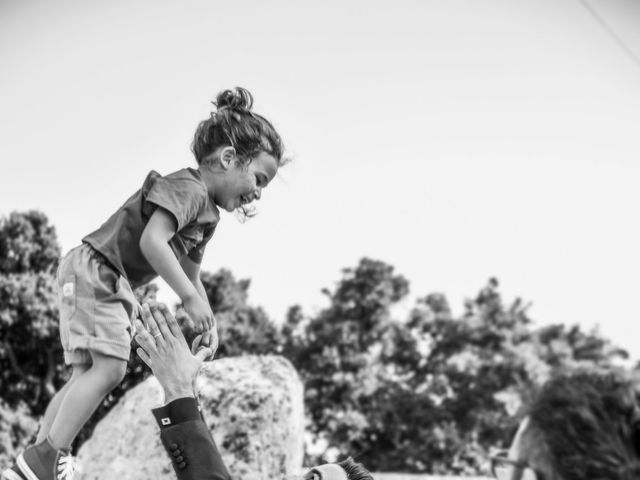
x=97, y=307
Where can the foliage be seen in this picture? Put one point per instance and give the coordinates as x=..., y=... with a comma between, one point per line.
x=338, y=353
x=30, y=352
x=28, y=244
x=30, y=370
x=242, y=328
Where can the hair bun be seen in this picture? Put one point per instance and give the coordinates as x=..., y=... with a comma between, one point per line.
x=238, y=99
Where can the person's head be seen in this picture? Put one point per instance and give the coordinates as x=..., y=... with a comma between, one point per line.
x=346, y=470
x=238, y=151
x=580, y=426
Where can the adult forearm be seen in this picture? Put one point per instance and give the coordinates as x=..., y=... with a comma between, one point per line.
x=164, y=262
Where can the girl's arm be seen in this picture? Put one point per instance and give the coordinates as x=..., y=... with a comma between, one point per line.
x=154, y=244
x=192, y=270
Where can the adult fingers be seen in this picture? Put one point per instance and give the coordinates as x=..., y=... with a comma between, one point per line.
x=160, y=312
x=149, y=320
x=171, y=321
x=144, y=357
x=144, y=338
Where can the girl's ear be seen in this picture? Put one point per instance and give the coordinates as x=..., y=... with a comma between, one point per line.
x=227, y=155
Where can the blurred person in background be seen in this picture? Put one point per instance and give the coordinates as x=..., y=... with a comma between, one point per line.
x=581, y=426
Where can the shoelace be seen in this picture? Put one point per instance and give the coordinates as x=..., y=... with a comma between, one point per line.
x=67, y=467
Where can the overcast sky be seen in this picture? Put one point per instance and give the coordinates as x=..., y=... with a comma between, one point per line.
x=453, y=139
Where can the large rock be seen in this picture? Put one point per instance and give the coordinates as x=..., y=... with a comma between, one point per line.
x=253, y=406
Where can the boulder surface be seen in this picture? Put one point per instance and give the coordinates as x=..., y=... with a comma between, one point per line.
x=253, y=406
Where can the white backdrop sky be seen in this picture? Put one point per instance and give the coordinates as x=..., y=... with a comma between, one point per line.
x=454, y=139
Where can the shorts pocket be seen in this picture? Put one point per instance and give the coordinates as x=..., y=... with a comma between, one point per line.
x=69, y=297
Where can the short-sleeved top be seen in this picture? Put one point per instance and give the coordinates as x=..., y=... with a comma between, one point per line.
x=184, y=195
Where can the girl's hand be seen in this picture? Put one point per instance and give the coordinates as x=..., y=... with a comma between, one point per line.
x=199, y=312
x=208, y=339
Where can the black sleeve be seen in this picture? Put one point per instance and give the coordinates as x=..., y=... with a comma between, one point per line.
x=193, y=452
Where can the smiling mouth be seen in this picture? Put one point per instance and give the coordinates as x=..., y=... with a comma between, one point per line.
x=245, y=199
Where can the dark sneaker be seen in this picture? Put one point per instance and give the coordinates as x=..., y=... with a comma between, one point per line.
x=44, y=462
x=12, y=473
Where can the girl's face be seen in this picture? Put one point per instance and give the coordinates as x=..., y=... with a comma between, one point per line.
x=239, y=184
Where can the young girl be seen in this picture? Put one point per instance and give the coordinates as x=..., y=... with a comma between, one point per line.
x=162, y=229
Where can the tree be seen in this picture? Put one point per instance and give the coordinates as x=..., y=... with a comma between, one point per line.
x=28, y=244
x=466, y=363
x=30, y=351
x=337, y=353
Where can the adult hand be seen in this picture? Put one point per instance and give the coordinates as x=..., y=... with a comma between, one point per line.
x=165, y=351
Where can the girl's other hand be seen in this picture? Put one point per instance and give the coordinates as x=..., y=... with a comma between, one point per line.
x=208, y=339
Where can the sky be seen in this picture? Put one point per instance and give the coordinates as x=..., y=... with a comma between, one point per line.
x=456, y=140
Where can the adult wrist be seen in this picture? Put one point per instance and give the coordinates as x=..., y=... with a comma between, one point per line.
x=173, y=394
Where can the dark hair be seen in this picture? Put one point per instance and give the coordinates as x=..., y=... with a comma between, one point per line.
x=234, y=124
x=354, y=470
x=585, y=426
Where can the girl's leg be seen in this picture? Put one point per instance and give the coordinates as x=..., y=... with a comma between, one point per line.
x=83, y=396
x=54, y=404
